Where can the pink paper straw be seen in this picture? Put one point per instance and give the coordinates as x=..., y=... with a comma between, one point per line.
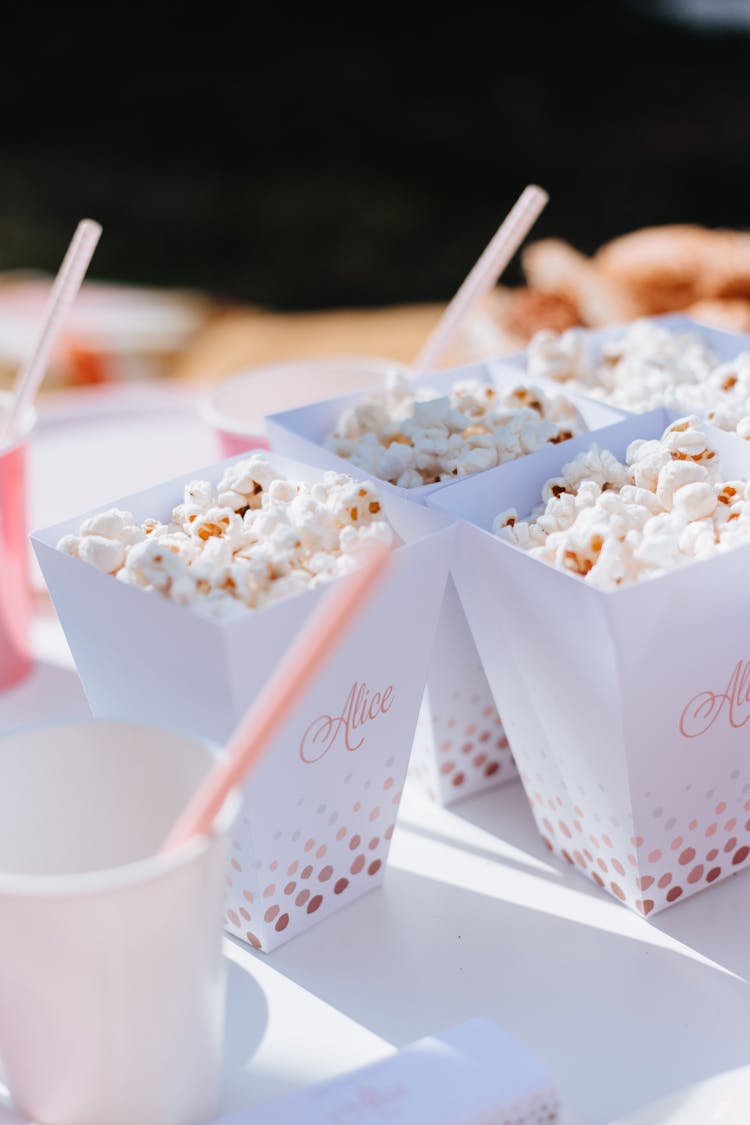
x=314, y=644
x=62, y=295
x=484, y=275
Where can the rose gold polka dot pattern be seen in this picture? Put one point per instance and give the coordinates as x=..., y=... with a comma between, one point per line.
x=319, y=837
x=316, y=872
x=460, y=747
x=669, y=856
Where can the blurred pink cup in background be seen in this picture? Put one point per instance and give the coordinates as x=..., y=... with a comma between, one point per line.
x=15, y=588
x=236, y=407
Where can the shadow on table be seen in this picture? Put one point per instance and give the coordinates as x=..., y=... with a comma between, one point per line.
x=504, y=811
x=714, y=923
x=504, y=814
x=49, y=694
x=245, y=1023
x=619, y=1020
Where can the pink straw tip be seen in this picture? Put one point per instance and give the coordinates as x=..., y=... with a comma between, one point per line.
x=62, y=295
x=485, y=274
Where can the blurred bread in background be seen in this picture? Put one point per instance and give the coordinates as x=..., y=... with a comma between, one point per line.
x=650, y=271
x=680, y=268
x=121, y=333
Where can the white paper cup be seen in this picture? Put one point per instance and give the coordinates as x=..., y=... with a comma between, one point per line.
x=460, y=745
x=627, y=710
x=236, y=407
x=320, y=808
x=111, y=975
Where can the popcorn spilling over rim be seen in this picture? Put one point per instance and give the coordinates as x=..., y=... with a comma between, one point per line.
x=648, y=367
x=411, y=437
x=252, y=541
x=614, y=524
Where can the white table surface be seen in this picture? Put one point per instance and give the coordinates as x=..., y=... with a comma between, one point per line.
x=475, y=918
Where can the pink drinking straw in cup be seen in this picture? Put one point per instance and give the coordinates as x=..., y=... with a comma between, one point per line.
x=15, y=590
x=16, y=422
x=236, y=407
x=484, y=275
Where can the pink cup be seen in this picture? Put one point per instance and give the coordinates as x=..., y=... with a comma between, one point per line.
x=15, y=588
x=237, y=406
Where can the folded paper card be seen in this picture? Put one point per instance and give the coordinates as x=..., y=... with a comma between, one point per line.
x=460, y=746
x=320, y=808
x=626, y=710
x=474, y=1074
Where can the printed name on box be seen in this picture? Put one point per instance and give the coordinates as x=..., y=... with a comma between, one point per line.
x=362, y=706
x=707, y=707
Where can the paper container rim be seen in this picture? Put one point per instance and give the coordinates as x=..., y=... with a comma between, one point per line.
x=111, y=880
x=48, y=537
x=621, y=593
x=518, y=360
x=284, y=419
x=486, y=371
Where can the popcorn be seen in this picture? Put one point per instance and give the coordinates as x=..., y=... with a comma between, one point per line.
x=358, y=541
x=649, y=366
x=109, y=525
x=219, y=522
x=695, y=501
x=410, y=478
x=243, y=483
x=560, y=357
x=154, y=527
x=676, y=475
x=508, y=518
x=69, y=545
x=614, y=523
x=412, y=437
x=252, y=541
x=151, y=564
x=107, y=555
x=355, y=503
x=200, y=493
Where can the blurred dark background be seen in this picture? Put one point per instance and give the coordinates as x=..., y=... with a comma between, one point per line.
x=304, y=164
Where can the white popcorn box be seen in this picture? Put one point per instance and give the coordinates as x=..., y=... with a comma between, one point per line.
x=627, y=710
x=725, y=346
x=460, y=746
x=320, y=806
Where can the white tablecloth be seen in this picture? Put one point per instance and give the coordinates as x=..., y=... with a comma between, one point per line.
x=475, y=918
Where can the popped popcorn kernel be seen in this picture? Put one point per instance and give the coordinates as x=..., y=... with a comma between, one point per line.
x=107, y=555
x=109, y=525
x=612, y=523
x=649, y=366
x=252, y=541
x=412, y=436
